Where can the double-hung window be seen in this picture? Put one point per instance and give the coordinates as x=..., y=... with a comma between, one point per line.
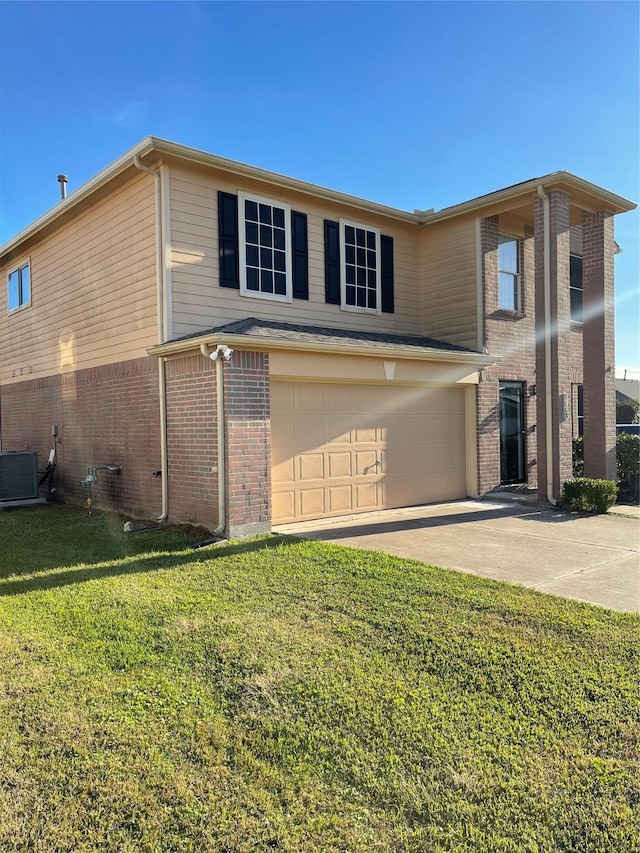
x=508, y=273
x=19, y=287
x=360, y=253
x=265, y=248
x=575, y=287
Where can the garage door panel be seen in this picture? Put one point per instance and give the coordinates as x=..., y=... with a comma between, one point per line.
x=283, y=471
x=282, y=394
x=339, y=465
x=365, y=462
x=338, y=429
x=283, y=504
x=340, y=499
x=311, y=502
x=311, y=467
x=336, y=398
x=326, y=439
x=366, y=496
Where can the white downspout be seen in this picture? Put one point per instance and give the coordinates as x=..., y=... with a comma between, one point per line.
x=548, y=403
x=160, y=278
x=219, y=353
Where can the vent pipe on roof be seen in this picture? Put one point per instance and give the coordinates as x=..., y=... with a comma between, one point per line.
x=62, y=180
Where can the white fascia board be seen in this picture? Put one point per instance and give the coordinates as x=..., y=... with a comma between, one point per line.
x=260, y=344
x=78, y=195
x=606, y=200
x=194, y=155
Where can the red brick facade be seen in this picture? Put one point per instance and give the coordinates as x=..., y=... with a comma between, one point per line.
x=105, y=416
x=510, y=335
x=110, y=416
x=518, y=337
x=599, y=354
x=248, y=443
x=192, y=449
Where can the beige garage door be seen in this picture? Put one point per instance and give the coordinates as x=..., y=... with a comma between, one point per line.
x=339, y=448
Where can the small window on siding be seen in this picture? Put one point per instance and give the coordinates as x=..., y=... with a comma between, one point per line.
x=19, y=287
x=508, y=273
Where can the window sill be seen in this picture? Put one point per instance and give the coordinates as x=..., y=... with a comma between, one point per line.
x=576, y=325
x=506, y=314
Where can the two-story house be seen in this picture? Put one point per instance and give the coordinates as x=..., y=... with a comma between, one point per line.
x=252, y=349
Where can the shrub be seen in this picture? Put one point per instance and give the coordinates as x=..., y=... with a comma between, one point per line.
x=628, y=461
x=577, y=456
x=586, y=495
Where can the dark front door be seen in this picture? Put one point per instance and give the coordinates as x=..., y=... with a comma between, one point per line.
x=512, y=432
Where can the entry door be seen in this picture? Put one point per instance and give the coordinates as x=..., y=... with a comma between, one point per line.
x=512, y=432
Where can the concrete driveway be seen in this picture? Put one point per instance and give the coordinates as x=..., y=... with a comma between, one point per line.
x=589, y=558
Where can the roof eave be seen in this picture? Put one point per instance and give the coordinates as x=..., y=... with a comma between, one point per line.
x=74, y=198
x=257, y=343
x=603, y=199
x=194, y=155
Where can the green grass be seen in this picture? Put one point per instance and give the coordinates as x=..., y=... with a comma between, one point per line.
x=295, y=696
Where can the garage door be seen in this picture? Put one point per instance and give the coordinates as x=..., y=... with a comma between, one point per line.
x=340, y=448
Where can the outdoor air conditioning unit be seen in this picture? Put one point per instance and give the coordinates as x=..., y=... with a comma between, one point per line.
x=18, y=475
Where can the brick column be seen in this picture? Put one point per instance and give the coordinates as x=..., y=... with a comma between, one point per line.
x=248, y=444
x=559, y=332
x=488, y=424
x=599, y=343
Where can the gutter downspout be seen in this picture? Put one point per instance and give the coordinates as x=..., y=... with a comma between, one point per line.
x=548, y=391
x=162, y=392
x=218, y=354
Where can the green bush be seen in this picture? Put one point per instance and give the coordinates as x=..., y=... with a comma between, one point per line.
x=628, y=462
x=586, y=495
x=577, y=456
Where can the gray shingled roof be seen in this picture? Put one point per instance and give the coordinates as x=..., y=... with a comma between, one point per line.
x=271, y=329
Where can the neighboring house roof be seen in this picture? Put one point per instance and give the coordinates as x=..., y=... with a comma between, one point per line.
x=270, y=334
x=151, y=148
x=629, y=388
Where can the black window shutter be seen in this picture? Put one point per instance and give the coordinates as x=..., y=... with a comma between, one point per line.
x=228, y=239
x=332, y=262
x=300, y=245
x=386, y=266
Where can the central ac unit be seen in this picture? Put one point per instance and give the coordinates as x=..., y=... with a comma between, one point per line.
x=18, y=475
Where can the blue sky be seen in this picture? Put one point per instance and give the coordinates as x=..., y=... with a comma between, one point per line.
x=415, y=105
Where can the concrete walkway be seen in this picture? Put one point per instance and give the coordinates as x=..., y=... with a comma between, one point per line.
x=589, y=558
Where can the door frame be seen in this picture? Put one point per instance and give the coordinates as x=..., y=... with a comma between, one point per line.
x=505, y=384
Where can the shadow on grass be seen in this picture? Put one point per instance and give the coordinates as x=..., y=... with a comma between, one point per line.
x=54, y=579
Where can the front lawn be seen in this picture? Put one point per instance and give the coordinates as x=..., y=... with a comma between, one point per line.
x=296, y=696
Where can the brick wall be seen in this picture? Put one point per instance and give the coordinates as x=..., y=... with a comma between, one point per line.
x=562, y=344
x=510, y=335
x=599, y=344
x=248, y=443
x=192, y=440
x=106, y=416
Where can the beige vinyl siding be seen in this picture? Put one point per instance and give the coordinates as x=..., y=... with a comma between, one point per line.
x=200, y=303
x=93, y=290
x=449, y=282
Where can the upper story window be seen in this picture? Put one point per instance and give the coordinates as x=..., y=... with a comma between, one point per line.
x=265, y=248
x=19, y=287
x=360, y=251
x=508, y=273
x=575, y=287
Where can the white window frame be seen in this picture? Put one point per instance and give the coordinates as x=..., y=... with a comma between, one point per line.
x=24, y=264
x=516, y=274
x=242, y=248
x=358, y=309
